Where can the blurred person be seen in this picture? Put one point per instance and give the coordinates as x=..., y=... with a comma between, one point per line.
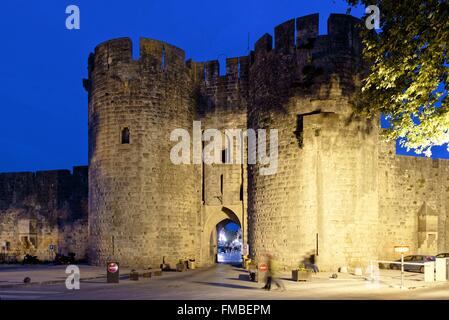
x=273, y=274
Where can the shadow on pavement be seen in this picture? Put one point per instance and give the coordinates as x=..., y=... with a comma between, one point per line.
x=242, y=277
x=227, y=285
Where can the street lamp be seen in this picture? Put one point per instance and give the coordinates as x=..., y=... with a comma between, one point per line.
x=402, y=250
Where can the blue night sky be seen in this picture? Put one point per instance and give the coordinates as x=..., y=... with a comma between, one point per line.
x=232, y=226
x=43, y=104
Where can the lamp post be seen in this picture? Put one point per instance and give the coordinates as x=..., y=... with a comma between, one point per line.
x=402, y=250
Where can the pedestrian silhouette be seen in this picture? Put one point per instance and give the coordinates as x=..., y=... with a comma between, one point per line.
x=310, y=262
x=273, y=274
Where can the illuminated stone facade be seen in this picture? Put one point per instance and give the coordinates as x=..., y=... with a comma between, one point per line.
x=339, y=191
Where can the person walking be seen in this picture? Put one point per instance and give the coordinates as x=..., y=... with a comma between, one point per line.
x=273, y=274
x=313, y=263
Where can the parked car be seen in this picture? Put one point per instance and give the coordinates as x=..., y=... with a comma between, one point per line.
x=29, y=259
x=62, y=259
x=412, y=259
x=442, y=255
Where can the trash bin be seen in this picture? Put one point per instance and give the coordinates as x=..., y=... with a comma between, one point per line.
x=252, y=269
x=192, y=264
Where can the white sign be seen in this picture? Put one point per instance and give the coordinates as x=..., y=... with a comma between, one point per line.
x=245, y=249
x=401, y=249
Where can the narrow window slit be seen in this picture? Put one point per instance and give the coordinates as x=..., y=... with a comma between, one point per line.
x=125, y=135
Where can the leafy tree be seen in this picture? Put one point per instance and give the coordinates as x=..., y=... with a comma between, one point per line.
x=407, y=80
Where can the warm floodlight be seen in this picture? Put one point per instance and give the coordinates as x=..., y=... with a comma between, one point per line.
x=401, y=249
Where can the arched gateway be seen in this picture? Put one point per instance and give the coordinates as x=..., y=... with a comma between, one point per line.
x=217, y=218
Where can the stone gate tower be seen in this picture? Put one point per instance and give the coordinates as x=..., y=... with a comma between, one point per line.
x=142, y=207
x=323, y=199
x=339, y=192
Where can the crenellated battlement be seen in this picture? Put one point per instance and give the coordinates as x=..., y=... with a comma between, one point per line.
x=120, y=51
x=302, y=33
x=298, y=38
x=209, y=71
x=296, y=61
x=306, y=30
x=111, y=52
x=162, y=52
x=45, y=189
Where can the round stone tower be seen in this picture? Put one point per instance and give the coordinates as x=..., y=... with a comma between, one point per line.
x=142, y=207
x=323, y=198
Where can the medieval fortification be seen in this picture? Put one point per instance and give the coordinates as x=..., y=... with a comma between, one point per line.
x=339, y=191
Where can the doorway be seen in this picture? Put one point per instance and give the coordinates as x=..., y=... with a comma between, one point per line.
x=229, y=242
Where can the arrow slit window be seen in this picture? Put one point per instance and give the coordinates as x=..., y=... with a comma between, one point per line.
x=125, y=136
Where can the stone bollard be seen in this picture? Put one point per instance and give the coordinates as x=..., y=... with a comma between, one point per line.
x=156, y=272
x=441, y=266
x=147, y=273
x=429, y=271
x=134, y=275
x=358, y=271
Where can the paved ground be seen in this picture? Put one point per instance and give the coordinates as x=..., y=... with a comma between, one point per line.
x=232, y=257
x=13, y=275
x=221, y=282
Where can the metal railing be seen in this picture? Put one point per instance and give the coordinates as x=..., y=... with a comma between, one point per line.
x=401, y=263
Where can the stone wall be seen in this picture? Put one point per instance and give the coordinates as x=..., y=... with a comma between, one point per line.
x=339, y=192
x=329, y=196
x=319, y=201
x=43, y=208
x=340, y=165
x=413, y=203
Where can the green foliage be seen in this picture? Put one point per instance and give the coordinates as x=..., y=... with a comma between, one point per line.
x=302, y=267
x=408, y=62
